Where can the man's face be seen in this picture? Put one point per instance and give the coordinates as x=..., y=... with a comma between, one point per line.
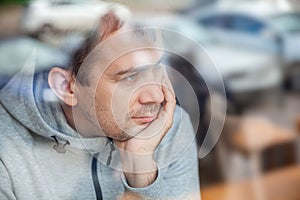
x=125, y=91
x=128, y=95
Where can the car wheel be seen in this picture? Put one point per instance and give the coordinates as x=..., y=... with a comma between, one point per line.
x=45, y=30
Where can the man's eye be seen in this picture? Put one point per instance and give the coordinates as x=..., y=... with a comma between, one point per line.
x=132, y=77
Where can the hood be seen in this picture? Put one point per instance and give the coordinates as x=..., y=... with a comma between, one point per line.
x=43, y=118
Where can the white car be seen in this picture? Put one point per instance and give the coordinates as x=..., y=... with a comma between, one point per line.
x=15, y=52
x=67, y=15
x=244, y=71
x=263, y=26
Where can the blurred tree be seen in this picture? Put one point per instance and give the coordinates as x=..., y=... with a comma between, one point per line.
x=8, y=2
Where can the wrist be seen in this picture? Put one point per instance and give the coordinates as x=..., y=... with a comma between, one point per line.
x=139, y=170
x=140, y=180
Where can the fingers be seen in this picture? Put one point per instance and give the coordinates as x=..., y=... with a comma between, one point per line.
x=166, y=81
x=167, y=112
x=170, y=100
x=169, y=94
x=168, y=107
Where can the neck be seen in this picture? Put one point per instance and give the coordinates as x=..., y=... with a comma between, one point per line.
x=81, y=125
x=67, y=110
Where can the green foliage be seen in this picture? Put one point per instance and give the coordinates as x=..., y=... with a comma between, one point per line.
x=9, y=2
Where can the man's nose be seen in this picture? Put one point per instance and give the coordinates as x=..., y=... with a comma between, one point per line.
x=151, y=93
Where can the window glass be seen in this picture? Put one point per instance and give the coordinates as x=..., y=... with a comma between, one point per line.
x=215, y=21
x=245, y=24
x=65, y=2
x=289, y=23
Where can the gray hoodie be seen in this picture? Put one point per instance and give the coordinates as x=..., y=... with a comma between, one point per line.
x=44, y=158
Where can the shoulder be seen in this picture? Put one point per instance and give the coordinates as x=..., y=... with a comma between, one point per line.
x=12, y=133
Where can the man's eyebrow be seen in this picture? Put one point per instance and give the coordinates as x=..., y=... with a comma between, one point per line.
x=132, y=70
x=137, y=69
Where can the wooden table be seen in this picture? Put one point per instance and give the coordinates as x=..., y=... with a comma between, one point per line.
x=256, y=135
x=283, y=184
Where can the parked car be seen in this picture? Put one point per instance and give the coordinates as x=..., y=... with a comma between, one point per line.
x=244, y=71
x=15, y=52
x=42, y=16
x=258, y=25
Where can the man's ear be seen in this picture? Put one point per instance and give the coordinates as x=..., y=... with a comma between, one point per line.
x=62, y=84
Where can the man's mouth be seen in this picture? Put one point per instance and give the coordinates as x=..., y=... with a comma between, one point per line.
x=144, y=119
x=146, y=114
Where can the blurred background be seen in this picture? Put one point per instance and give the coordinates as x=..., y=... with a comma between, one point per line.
x=254, y=45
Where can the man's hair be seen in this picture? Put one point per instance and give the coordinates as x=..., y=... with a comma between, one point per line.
x=108, y=24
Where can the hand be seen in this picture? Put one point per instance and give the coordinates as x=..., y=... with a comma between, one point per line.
x=137, y=153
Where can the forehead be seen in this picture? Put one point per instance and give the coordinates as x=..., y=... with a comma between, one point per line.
x=135, y=59
x=130, y=48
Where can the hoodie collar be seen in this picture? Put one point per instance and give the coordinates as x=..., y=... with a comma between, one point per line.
x=39, y=116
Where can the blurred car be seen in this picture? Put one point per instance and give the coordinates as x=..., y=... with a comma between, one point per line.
x=243, y=70
x=258, y=25
x=15, y=53
x=42, y=16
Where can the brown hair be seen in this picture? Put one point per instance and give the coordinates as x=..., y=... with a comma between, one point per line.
x=108, y=24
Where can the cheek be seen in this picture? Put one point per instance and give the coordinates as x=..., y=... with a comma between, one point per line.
x=133, y=100
x=112, y=101
x=103, y=94
x=121, y=99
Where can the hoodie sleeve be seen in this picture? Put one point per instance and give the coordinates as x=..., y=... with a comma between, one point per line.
x=180, y=179
x=6, y=189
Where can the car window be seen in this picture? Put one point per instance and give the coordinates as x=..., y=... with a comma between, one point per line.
x=289, y=22
x=218, y=21
x=65, y=2
x=245, y=24
x=197, y=33
x=59, y=3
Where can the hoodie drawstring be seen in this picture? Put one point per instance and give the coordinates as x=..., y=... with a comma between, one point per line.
x=58, y=147
x=112, y=148
x=95, y=178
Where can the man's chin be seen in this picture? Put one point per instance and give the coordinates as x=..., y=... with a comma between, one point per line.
x=124, y=139
x=137, y=129
x=131, y=133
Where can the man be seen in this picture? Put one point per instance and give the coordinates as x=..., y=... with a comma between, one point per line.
x=115, y=131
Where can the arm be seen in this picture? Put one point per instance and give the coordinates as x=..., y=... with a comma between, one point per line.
x=177, y=160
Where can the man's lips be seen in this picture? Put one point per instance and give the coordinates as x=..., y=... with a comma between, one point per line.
x=144, y=119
